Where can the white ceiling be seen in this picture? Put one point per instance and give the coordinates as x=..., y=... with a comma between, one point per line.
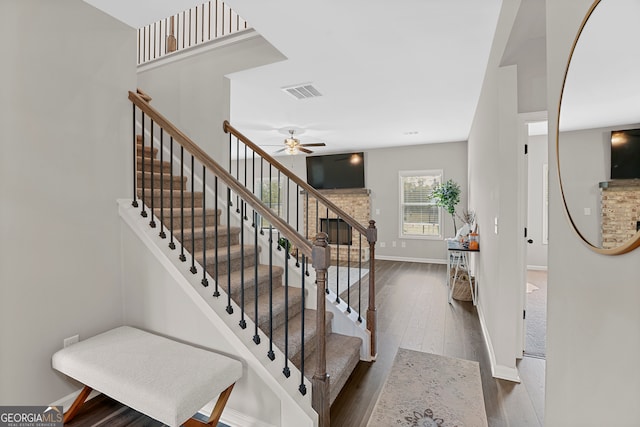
x=391, y=73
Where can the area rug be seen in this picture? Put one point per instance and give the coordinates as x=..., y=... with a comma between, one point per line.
x=427, y=390
x=338, y=277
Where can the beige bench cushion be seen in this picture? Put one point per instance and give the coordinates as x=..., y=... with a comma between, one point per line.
x=162, y=378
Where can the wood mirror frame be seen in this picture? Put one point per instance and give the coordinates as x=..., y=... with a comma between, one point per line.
x=634, y=241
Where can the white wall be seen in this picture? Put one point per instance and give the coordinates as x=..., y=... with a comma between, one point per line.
x=194, y=93
x=493, y=178
x=592, y=313
x=65, y=160
x=538, y=156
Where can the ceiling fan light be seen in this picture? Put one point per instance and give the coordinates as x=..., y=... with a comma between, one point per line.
x=292, y=150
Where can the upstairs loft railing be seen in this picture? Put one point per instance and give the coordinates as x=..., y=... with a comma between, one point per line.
x=200, y=24
x=164, y=189
x=304, y=208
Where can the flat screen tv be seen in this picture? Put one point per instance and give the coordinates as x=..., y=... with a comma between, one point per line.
x=625, y=154
x=336, y=171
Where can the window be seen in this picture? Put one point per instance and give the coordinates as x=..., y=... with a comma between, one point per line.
x=419, y=217
x=271, y=194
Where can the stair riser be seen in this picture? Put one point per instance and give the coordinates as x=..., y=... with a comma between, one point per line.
x=310, y=344
x=223, y=268
x=211, y=240
x=178, y=183
x=159, y=201
x=148, y=152
x=157, y=165
x=210, y=217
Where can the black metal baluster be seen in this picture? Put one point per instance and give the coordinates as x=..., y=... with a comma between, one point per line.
x=244, y=217
x=229, y=307
x=350, y=236
x=243, y=323
x=193, y=268
x=230, y=165
x=303, y=387
x=152, y=222
x=286, y=371
x=360, y=275
x=306, y=195
x=279, y=210
x=253, y=185
x=204, y=281
x=270, y=354
x=261, y=189
x=256, y=336
x=182, y=257
x=237, y=172
x=172, y=244
x=337, y=261
x=297, y=221
x=216, y=266
x=162, y=234
x=134, y=203
x=144, y=200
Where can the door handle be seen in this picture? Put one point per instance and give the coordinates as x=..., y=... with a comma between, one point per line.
x=530, y=241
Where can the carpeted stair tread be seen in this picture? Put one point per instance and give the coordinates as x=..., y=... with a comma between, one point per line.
x=343, y=354
x=210, y=216
x=234, y=253
x=165, y=196
x=148, y=151
x=249, y=281
x=295, y=338
x=164, y=179
x=209, y=232
x=224, y=234
x=279, y=303
x=158, y=166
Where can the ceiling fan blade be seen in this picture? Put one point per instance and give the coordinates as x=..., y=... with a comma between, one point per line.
x=280, y=150
x=314, y=144
x=304, y=150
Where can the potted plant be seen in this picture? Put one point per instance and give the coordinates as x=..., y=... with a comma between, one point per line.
x=447, y=195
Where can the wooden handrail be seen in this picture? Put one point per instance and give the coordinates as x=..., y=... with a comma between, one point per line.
x=145, y=97
x=289, y=232
x=306, y=187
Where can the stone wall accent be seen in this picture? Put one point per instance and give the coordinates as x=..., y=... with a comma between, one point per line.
x=620, y=211
x=355, y=202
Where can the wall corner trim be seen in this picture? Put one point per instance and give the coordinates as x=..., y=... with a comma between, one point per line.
x=497, y=371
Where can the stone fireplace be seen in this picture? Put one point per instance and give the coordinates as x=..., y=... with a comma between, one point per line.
x=620, y=211
x=354, y=202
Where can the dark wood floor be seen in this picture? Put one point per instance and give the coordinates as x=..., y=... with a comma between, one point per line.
x=413, y=313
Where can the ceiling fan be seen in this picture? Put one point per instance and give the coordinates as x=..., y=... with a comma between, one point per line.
x=293, y=145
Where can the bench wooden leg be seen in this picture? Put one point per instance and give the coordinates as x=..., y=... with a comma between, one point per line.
x=216, y=413
x=77, y=404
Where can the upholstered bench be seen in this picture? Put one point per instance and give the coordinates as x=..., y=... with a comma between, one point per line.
x=161, y=378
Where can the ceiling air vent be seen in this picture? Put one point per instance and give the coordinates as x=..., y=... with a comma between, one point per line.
x=302, y=91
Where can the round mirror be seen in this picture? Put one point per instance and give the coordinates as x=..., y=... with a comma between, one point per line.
x=598, y=141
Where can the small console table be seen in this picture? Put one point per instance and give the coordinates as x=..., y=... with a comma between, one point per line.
x=458, y=256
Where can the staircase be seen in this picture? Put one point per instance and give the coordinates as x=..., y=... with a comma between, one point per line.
x=204, y=235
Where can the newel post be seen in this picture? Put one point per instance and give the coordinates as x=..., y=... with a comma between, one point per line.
x=372, y=238
x=321, y=257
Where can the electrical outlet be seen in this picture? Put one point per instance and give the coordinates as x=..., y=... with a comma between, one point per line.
x=403, y=244
x=587, y=211
x=383, y=245
x=71, y=340
x=393, y=243
x=377, y=211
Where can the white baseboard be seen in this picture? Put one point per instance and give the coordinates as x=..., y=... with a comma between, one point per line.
x=408, y=259
x=497, y=371
x=537, y=267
